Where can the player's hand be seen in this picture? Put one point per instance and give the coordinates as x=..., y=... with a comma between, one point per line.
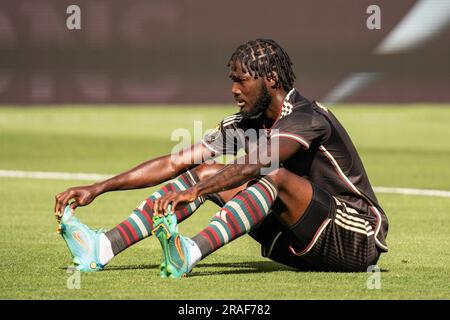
x=82, y=196
x=177, y=200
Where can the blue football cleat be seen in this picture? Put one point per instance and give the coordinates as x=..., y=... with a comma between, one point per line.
x=83, y=242
x=176, y=257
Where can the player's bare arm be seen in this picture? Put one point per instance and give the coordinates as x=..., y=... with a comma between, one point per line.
x=231, y=176
x=146, y=174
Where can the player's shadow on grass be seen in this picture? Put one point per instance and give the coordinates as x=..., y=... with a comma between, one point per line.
x=239, y=268
x=132, y=267
x=127, y=267
x=250, y=267
x=201, y=269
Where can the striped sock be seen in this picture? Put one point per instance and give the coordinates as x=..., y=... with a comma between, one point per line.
x=238, y=216
x=139, y=224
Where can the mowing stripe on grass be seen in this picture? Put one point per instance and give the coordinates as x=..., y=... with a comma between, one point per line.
x=98, y=176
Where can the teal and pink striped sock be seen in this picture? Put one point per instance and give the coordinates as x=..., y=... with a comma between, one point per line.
x=238, y=216
x=139, y=224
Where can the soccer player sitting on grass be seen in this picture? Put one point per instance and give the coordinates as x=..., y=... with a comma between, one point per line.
x=315, y=211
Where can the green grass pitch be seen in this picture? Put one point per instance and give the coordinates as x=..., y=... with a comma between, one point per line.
x=401, y=147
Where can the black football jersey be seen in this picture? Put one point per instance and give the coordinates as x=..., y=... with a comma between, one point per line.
x=326, y=157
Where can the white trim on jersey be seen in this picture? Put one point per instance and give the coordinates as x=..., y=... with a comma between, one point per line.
x=230, y=120
x=365, y=228
x=352, y=186
x=347, y=227
x=210, y=147
x=339, y=170
x=314, y=240
x=370, y=232
x=288, y=95
x=292, y=137
x=275, y=239
x=378, y=227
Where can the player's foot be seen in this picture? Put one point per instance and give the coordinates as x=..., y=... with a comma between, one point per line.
x=177, y=260
x=162, y=233
x=83, y=242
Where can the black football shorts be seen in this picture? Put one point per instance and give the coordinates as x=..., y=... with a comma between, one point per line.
x=329, y=237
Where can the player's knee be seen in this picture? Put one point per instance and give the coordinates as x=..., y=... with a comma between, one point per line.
x=279, y=177
x=206, y=170
x=286, y=180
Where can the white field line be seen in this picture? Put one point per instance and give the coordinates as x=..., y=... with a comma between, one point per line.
x=98, y=177
x=52, y=175
x=414, y=192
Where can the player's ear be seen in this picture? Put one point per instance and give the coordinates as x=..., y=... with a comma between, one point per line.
x=273, y=80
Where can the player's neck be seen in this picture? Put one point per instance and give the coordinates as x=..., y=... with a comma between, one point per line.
x=272, y=112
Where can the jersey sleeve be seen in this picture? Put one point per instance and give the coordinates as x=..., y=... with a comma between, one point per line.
x=225, y=138
x=304, y=127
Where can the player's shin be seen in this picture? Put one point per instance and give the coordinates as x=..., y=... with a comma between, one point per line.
x=139, y=224
x=238, y=216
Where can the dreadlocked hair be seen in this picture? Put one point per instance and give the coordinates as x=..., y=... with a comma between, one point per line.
x=263, y=57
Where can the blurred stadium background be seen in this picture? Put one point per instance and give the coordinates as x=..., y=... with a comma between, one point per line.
x=176, y=51
x=65, y=107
